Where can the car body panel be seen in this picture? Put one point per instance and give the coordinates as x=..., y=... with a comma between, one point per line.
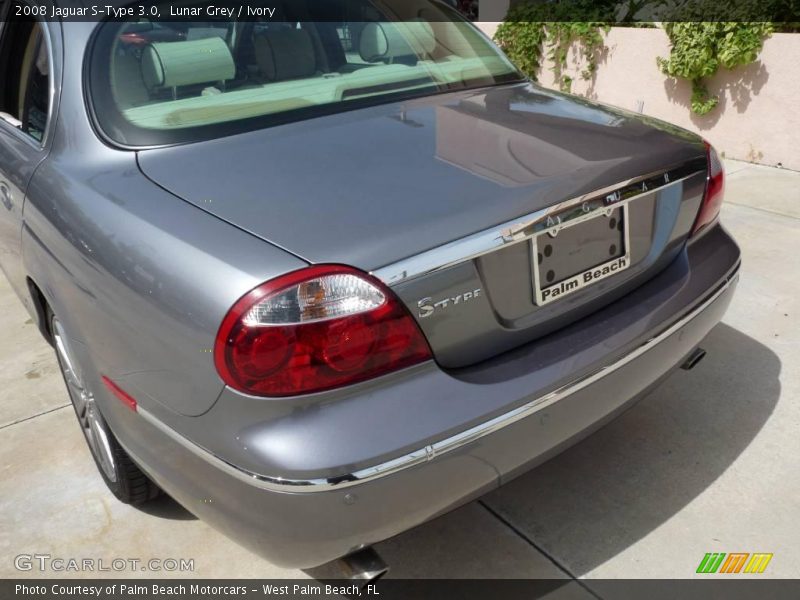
x=123, y=262
x=305, y=530
x=332, y=434
x=479, y=158
x=338, y=195
x=502, y=311
x=141, y=275
x=20, y=156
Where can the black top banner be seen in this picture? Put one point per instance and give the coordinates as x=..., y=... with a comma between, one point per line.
x=612, y=12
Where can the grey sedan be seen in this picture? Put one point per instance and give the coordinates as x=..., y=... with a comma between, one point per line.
x=326, y=273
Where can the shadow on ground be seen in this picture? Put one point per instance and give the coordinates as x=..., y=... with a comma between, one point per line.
x=599, y=497
x=165, y=507
x=596, y=499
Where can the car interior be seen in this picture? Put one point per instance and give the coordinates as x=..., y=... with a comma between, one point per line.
x=174, y=75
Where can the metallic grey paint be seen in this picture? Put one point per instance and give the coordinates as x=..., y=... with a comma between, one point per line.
x=304, y=530
x=357, y=163
x=141, y=269
x=452, y=443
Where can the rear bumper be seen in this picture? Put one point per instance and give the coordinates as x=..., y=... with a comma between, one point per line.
x=304, y=520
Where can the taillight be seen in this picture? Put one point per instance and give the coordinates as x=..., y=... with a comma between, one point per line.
x=715, y=189
x=315, y=329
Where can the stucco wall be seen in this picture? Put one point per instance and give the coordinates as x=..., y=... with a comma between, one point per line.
x=757, y=119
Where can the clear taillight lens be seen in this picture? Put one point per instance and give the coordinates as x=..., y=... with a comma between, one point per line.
x=715, y=191
x=315, y=329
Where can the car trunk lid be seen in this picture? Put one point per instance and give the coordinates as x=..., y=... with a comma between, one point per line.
x=404, y=190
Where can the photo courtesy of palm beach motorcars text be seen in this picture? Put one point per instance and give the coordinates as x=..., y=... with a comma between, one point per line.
x=399, y=299
x=191, y=590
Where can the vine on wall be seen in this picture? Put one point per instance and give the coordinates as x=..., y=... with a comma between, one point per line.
x=560, y=36
x=700, y=49
x=525, y=37
x=533, y=32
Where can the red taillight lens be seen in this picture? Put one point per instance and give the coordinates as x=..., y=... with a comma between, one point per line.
x=315, y=329
x=715, y=190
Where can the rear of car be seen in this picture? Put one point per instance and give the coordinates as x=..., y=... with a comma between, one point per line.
x=479, y=271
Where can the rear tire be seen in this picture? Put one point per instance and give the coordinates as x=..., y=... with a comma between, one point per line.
x=122, y=476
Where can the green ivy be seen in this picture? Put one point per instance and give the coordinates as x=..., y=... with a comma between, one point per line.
x=523, y=42
x=701, y=42
x=525, y=36
x=700, y=49
x=561, y=36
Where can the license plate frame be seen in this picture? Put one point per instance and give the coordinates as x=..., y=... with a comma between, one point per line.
x=560, y=289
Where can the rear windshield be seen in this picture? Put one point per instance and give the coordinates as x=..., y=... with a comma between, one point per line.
x=155, y=83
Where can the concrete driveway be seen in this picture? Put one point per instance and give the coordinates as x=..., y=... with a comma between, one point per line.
x=708, y=462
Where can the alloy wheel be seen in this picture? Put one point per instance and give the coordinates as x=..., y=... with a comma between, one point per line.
x=94, y=427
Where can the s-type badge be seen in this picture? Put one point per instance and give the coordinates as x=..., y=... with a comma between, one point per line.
x=427, y=306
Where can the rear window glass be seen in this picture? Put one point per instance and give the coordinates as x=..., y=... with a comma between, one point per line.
x=156, y=83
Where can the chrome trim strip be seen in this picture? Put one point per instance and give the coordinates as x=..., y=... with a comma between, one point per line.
x=524, y=228
x=449, y=444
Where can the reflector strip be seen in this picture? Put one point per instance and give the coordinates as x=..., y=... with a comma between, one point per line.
x=121, y=394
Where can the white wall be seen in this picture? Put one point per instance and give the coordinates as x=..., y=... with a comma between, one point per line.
x=757, y=119
x=488, y=27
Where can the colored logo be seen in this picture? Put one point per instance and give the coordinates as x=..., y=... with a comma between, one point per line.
x=735, y=562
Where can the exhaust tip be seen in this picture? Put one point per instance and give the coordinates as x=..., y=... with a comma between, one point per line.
x=364, y=566
x=695, y=357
